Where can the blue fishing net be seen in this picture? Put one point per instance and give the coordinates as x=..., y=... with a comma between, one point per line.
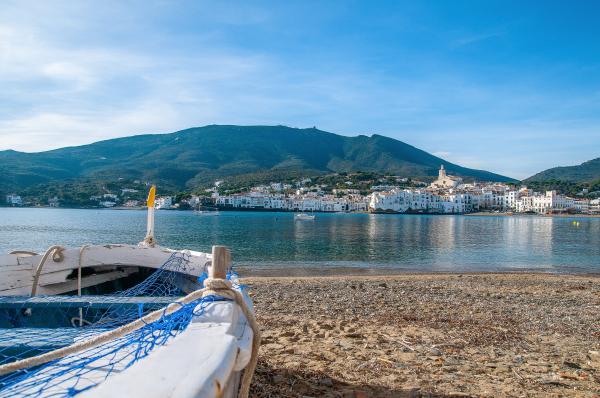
x=31, y=326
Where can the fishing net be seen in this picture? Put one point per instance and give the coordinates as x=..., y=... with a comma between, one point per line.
x=32, y=326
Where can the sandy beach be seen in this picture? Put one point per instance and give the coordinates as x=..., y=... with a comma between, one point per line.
x=428, y=335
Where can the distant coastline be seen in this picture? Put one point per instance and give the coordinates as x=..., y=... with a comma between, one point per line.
x=262, y=210
x=509, y=214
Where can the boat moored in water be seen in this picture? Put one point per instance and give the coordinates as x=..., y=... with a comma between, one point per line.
x=304, y=217
x=206, y=213
x=177, y=319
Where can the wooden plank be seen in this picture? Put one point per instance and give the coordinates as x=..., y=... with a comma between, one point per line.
x=13, y=279
x=126, y=255
x=100, y=302
x=71, y=285
x=221, y=259
x=41, y=338
x=16, y=273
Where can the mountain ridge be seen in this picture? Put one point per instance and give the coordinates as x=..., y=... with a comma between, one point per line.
x=195, y=156
x=587, y=171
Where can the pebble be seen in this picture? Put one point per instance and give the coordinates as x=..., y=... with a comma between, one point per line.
x=487, y=347
x=327, y=382
x=435, y=352
x=518, y=359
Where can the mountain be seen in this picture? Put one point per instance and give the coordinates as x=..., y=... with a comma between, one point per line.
x=197, y=156
x=586, y=172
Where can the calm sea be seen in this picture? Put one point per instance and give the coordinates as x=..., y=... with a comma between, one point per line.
x=275, y=240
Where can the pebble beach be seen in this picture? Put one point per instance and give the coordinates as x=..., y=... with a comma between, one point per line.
x=428, y=335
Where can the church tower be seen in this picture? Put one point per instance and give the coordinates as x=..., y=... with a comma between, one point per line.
x=442, y=173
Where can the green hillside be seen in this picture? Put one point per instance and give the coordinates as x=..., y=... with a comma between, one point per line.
x=586, y=172
x=197, y=156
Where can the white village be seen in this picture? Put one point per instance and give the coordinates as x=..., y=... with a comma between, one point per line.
x=446, y=195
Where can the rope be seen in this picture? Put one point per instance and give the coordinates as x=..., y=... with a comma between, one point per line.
x=220, y=287
x=57, y=257
x=149, y=241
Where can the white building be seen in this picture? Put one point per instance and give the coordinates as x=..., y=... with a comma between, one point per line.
x=110, y=197
x=405, y=200
x=164, y=202
x=581, y=205
x=550, y=202
x=194, y=201
x=276, y=186
x=450, y=201
x=54, y=202
x=445, y=181
x=14, y=200
x=595, y=206
x=510, y=199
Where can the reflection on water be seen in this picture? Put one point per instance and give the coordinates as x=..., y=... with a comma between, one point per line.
x=415, y=242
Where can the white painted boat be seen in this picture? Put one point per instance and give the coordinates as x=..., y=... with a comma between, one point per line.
x=304, y=217
x=206, y=213
x=98, y=264
x=202, y=343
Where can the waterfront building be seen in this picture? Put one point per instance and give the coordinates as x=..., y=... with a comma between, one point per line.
x=594, y=206
x=14, y=200
x=455, y=198
x=549, y=202
x=194, y=201
x=54, y=202
x=404, y=200
x=510, y=199
x=163, y=202
x=581, y=205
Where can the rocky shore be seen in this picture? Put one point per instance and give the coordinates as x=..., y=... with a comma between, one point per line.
x=428, y=335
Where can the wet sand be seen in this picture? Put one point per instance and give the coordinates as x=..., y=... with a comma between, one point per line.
x=428, y=335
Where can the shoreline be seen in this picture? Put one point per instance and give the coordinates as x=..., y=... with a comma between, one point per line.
x=241, y=210
x=424, y=335
x=377, y=272
x=510, y=214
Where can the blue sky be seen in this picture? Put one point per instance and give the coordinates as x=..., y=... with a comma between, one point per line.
x=511, y=87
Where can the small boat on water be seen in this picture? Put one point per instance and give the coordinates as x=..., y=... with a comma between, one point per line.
x=207, y=213
x=304, y=217
x=95, y=321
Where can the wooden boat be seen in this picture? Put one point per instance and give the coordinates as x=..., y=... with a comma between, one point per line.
x=72, y=269
x=207, y=213
x=304, y=217
x=203, y=355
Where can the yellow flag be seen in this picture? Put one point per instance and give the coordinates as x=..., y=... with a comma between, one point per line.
x=151, y=196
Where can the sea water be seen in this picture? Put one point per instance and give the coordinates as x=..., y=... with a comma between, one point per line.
x=361, y=241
